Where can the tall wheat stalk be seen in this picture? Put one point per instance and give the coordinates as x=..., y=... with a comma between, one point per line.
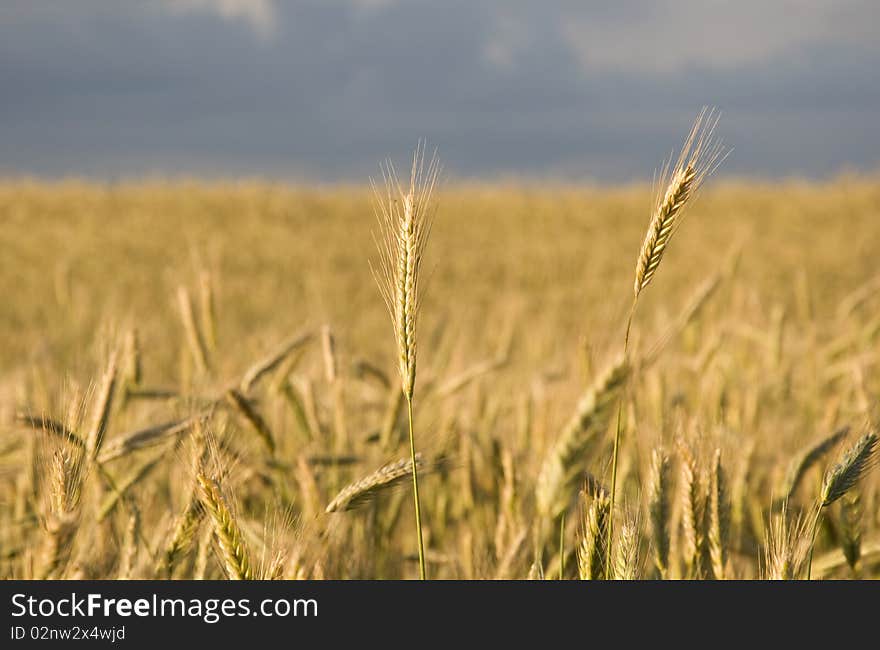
x=404, y=216
x=679, y=183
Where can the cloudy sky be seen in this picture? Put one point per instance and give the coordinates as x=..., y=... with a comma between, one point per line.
x=324, y=89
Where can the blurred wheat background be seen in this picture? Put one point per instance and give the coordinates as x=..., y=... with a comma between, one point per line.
x=192, y=373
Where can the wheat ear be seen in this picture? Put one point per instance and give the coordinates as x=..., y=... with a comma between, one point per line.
x=370, y=486
x=627, y=555
x=693, y=514
x=698, y=158
x=855, y=463
x=50, y=426
x=841, y=478
x=182, y=538
x=236, y=559
x=102, y=409
x=61, y=521
x=405, y=217
x=593, y=550
x=127, y=443
x=719, y=518
x=658, y=509
x=243, y=406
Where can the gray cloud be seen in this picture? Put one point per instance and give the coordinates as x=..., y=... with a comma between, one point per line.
x=326, y=88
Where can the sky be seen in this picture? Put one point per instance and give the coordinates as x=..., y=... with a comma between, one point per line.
x=323, y=90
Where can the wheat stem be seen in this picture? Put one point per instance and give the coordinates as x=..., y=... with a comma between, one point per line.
x=416, y=500
x=617, y=434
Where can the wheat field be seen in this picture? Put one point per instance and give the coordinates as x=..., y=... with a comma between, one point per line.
x=200, y=380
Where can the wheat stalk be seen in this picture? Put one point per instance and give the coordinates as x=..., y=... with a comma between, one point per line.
x=841, y=478
x=698, y=158
x=331, y=373
x=405, y=218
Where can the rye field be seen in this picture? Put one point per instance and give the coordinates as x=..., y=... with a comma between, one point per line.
x=202, y=380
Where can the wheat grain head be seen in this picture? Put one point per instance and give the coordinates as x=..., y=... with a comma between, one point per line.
x=592, y=552
x=679, y=183
x=857, y=460
x=370, y=486
x=659, y=488
x=405, y=216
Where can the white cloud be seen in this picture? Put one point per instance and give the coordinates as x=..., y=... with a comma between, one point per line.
x=259, y=15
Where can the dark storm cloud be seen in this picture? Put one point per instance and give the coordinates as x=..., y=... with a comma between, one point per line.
x=325, y=88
